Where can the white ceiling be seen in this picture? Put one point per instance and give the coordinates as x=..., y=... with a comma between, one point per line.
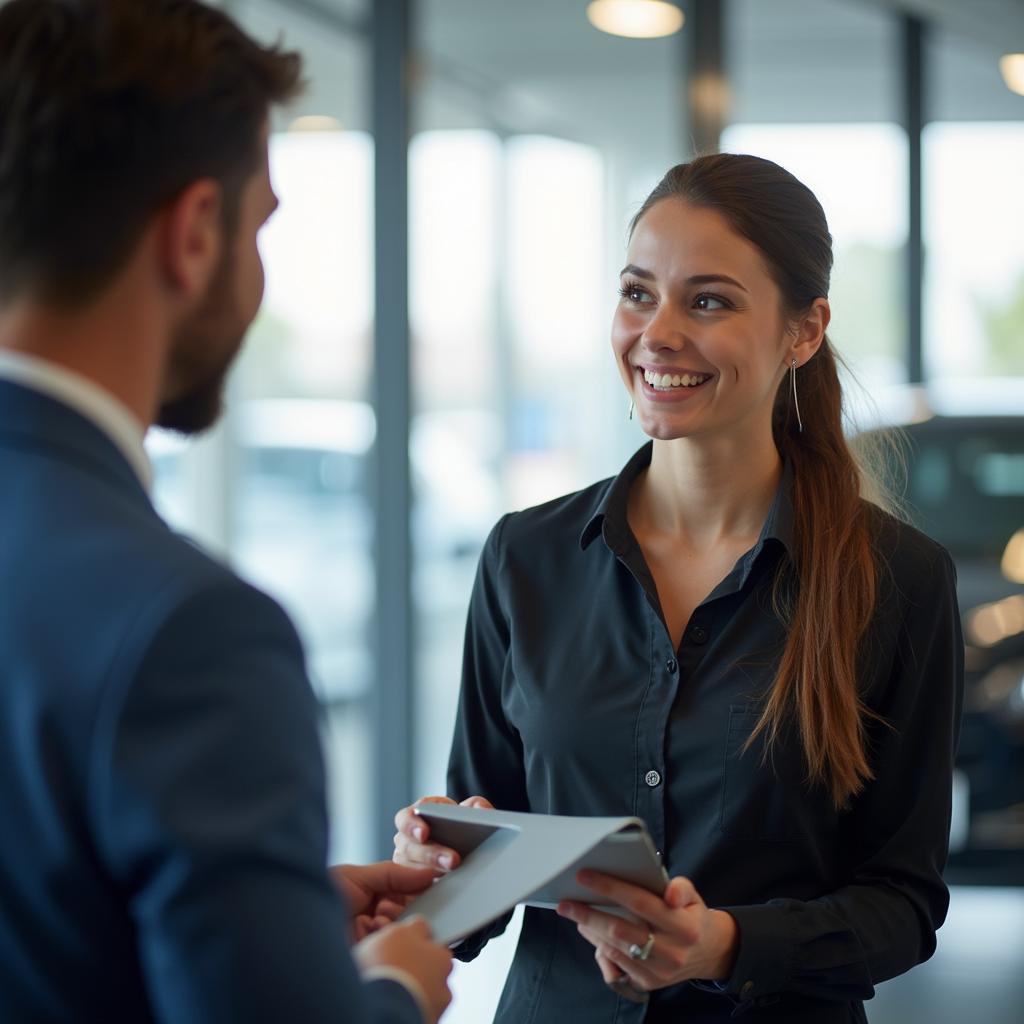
x=538, y=66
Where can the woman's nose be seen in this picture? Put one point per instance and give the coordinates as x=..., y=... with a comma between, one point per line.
x=666, y=329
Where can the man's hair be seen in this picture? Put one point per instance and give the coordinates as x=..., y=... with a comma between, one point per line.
x=108, y=110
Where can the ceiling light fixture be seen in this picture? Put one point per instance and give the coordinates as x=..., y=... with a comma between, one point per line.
x=635, y=19
x=1012, y=68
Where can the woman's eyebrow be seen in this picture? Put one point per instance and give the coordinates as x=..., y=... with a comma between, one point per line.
x=716, y=279
x=632, y=268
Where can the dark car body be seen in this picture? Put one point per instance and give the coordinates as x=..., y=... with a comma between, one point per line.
x=965, y=488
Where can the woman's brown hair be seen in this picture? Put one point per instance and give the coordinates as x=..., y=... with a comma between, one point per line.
x=835, y=566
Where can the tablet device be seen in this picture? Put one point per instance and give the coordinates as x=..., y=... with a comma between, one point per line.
x=629, y=855
x=512, y=857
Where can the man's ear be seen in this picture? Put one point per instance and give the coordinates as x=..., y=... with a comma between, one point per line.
x=192, y=237
x=809, y=333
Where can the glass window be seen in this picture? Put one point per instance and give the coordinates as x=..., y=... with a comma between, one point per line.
x=456, y=433
x=815, y=89
x=280, y=487
x=557, y=323
x=858, y=173
x=973, y=152
x=974, y=283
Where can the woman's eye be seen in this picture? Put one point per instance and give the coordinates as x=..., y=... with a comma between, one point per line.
x=710, y=303
x=633, y=293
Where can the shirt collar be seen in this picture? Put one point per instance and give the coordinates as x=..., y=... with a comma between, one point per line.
x=609, y=515
x=87, y=399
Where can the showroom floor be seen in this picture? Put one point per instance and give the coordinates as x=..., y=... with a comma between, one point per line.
x=977, y=973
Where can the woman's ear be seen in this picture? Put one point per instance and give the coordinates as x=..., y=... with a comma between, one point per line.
x=192, y=238
x=809, y=333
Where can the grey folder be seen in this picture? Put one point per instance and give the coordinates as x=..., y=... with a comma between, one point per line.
x=510, y=858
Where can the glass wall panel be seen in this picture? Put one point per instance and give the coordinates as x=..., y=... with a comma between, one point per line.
x=973, y=152
x=280, y=487
x=303, y=430
x=458, y=424
x=816, y=88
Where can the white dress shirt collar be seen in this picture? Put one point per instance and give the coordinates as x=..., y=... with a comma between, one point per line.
x=86, y=398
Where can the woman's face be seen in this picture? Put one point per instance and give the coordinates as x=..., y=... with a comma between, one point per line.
x=698, y=334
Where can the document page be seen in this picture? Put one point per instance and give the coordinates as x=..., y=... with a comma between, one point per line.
x=511, y=857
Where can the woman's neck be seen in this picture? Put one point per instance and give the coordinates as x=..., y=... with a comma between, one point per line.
x=707, y=490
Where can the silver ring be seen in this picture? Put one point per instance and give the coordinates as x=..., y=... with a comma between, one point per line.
x=642, y=952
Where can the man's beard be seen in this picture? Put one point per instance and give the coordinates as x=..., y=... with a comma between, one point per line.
x=198, y=409
x=201, y=355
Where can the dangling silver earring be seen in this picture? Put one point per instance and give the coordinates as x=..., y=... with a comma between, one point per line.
x=632, y=406
x=796, y=401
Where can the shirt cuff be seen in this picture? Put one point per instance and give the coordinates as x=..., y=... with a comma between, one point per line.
x=403, y=978
x=764, y=959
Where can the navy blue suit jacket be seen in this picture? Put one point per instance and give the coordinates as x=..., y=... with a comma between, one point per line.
x=163, y=833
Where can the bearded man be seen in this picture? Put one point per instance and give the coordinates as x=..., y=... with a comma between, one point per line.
x=164, y=840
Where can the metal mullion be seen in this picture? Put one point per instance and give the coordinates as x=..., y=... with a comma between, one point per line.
x=913, y=74
x=704, y=38
x=392, y=691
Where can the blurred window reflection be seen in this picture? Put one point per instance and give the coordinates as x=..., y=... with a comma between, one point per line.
x=509, y=335
x=287, y=470
x=302, y=523
x=974, y=283
x=859, y=174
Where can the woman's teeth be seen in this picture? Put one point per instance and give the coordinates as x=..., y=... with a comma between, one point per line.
x=674, y=380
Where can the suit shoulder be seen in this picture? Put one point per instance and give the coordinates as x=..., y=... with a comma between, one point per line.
x=198, y=579
x=165, y=575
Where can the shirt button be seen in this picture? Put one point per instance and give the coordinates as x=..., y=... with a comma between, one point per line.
x=652, y=778
x=671, y=666
x=698, y=635
x=747, y=990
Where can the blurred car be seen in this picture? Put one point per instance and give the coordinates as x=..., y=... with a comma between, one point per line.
x=965, y=488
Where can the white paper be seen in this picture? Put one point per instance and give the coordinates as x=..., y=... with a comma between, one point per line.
x=513, y=857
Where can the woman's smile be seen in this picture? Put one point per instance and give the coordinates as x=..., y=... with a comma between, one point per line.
x=670, y=384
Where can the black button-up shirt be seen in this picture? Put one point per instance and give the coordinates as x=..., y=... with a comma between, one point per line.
x=574, y=701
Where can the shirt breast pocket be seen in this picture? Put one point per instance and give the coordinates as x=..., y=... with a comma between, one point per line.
x=762, y=798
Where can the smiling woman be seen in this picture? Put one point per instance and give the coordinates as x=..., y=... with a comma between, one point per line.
x=770, y=317
x=726, y=640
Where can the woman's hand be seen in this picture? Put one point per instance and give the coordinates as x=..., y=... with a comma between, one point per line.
x=412, y=840
x=689, y=940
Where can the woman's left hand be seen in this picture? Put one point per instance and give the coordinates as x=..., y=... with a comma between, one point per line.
x=689, y=940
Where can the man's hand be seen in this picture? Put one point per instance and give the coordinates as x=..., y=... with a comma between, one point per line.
x=409, y=948
x=377, y=893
